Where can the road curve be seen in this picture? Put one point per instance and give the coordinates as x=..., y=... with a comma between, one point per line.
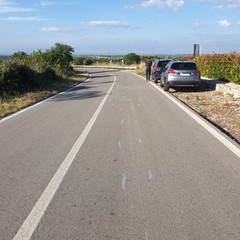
x=115, y=158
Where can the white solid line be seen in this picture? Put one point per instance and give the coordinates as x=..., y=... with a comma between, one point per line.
x=30, y=224
x=208, y=127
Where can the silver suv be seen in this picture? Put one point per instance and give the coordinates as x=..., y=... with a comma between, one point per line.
x=180, y=74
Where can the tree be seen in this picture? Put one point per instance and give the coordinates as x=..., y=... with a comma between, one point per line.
x=78, y=60
x=132, y=58
x=60, y=57
x=88, y=61
x=19, y=56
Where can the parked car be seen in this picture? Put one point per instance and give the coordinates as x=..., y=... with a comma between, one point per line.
x=157, y=69
x=180, y=74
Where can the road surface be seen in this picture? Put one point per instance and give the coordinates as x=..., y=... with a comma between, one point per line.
x=115, y=158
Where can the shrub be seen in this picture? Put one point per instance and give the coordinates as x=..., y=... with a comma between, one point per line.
x=220, y=66
x=26, y=73
x=132, y=58
x=15, y=78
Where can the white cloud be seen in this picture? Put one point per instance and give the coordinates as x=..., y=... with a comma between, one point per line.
x=233, y=4
x=225, y=23
x=4, y=2
x=159, y=4
x=218, y=7
x=55, y=29
x=9, y=7
x=198, y=24
x=53, y=3
x=108, y=24
x=175, y=4
x=153, y=3
x=30, y=19
x=47, y=3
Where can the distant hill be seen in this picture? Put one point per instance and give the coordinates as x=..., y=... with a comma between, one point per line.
x=5, y=57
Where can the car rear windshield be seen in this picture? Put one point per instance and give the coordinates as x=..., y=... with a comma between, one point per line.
x=162, y=63
x=184, y=66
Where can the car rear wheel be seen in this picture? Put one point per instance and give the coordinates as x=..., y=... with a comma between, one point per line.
x=166, y=86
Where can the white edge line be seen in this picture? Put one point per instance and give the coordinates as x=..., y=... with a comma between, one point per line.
x=30, y=224
x=208, y=127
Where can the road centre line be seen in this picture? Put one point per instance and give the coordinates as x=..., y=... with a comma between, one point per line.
x=207, y=126
x=30, y=224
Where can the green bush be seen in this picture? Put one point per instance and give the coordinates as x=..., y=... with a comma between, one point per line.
x=220, y=66
x=25, y=73
x=15, y=78
x=132, y=58
x=78, y=60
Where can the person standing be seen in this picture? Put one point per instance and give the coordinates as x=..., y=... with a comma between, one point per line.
x=148, y=65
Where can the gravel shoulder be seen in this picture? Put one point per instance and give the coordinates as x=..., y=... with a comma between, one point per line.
x=221, y=109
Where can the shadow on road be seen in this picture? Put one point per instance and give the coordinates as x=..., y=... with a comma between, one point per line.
x=78, y=93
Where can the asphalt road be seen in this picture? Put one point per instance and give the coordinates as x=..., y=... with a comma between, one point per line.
x=115, y=158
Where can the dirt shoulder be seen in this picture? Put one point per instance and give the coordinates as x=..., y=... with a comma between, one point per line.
x=221, y=109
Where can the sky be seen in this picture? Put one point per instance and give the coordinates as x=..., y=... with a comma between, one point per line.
x=113, y=27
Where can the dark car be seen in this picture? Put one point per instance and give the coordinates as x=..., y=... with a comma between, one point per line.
x=180, y=74
x=157, y=69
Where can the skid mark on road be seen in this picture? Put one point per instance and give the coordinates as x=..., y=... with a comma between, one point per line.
x=119, y=144
x=124, y=182
x=150, y=175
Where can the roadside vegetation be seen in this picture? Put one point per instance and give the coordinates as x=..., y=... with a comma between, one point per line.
x=220, y=66
x=129, y=59
x=27, y=79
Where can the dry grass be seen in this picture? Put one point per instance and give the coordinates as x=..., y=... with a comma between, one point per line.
x=14, y=104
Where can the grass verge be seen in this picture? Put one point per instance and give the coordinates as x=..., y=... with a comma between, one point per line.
x=13, y=104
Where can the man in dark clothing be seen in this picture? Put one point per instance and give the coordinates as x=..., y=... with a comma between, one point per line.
x=148, y=65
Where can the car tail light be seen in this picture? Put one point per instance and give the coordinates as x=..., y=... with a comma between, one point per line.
x=158, y=69
x=197, y=72
x=171, y=71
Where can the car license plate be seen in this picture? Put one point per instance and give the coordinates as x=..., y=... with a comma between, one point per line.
x=184, y=74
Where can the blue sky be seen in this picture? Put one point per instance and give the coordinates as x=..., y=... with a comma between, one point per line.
x=120, y=26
